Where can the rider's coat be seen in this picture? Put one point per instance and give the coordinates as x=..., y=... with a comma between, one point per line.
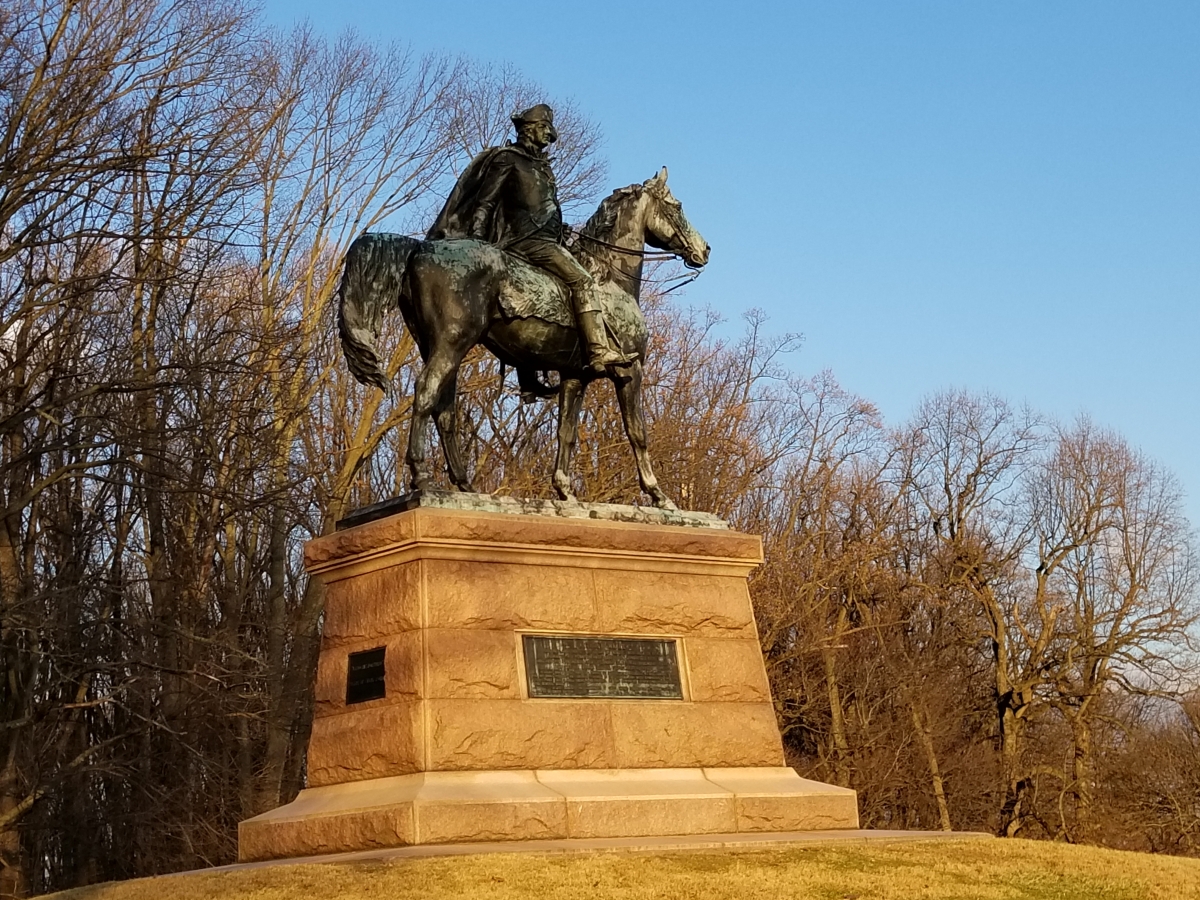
x=506, y=195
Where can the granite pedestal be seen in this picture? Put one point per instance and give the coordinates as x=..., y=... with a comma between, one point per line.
x=450, y=746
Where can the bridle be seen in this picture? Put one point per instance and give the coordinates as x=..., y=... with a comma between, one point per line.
x=645, y=255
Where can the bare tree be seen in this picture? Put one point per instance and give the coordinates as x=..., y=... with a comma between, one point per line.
x=819, y=537
x=1115, y=558
x=966, y=457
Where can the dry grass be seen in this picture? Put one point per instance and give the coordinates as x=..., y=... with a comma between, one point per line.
x=968, y=870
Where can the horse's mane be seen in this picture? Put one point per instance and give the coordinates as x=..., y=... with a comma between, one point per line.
x=601, y=226
x=604, y=219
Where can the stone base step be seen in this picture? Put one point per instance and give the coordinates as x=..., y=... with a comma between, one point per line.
x=466, y=807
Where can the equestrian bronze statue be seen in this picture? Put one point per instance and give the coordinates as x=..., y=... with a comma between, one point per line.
x=495, y=270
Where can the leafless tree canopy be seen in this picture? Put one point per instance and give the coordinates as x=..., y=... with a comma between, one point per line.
x=979, y=619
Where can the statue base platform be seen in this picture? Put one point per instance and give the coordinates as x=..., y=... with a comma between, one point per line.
x=515, y=805
x=489, y=672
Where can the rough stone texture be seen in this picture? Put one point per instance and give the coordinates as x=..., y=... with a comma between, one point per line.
x=317, y=834
x=506, y=805
x=375, y=604
x=726, y=670
x=472, y=664
x=585, y=542
x=636, y=803
x=509, y=596
x=635, y=817
x=774, y=799
x=357, y=815
x=587, y=537
x=515, y=820
x=810, y=813
x=640, y=602
x=662, y=733
x=372, y=740
x=403, y=668
x=449, y=589
x=520, y=734
x=341, y=545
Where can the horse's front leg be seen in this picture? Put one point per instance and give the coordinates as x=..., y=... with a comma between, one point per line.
x=570, y=400
x=629, y=396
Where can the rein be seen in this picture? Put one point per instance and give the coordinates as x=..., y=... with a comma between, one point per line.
x=644, y=254
x=682, y=279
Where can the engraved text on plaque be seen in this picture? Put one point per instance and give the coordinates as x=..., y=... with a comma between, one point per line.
x=613, y=667
x=365, y=676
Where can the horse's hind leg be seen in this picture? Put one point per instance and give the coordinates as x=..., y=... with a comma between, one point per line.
x=629, y=396
x=447, y=426
x=570, y=399
x=439, y=374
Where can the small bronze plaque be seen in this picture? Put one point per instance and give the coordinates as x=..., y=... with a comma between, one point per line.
x=365, y=676
x=613, y=667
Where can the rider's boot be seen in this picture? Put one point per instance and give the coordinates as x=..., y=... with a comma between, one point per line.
x=600, y=354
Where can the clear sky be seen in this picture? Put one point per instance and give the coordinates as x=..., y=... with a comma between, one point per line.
x=999, y=196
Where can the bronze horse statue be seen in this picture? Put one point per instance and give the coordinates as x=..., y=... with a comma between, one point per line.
x=455, y=294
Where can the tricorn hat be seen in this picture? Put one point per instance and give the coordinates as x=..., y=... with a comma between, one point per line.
x=539, y=113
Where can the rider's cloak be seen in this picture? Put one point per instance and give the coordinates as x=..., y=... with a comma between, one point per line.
x=454, y=221
x=516, y=190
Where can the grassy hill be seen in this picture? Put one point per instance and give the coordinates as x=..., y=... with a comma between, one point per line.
x=934, y=870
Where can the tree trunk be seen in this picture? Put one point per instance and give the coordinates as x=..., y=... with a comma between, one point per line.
x=13, y=880
x=1081, y=734
x=935, y=772
x=278, y=719
x=1013, y=785
x=840, y=751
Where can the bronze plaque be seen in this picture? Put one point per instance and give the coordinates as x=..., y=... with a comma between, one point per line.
x=610, y=667
x=365, y=676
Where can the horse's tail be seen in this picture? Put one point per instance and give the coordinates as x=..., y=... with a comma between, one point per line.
x=372, y=278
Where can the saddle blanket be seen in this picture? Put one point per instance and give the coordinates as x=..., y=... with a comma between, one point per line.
x=528, y=292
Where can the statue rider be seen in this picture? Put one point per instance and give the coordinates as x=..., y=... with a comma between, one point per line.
x=507, y=196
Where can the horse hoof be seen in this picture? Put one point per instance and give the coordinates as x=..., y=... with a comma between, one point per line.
x=563, y=489
x=662, y=501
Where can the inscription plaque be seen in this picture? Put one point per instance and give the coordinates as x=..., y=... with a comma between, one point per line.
x=610, y=667
x=365, y=676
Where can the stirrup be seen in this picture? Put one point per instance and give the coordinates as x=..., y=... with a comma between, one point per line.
x=601, y=358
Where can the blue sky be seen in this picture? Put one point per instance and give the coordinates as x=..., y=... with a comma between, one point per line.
x=998, y=196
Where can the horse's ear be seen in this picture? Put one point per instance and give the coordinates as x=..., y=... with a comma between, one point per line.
x=658, y=181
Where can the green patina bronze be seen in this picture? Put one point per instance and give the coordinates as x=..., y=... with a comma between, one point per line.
x=495, y=270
